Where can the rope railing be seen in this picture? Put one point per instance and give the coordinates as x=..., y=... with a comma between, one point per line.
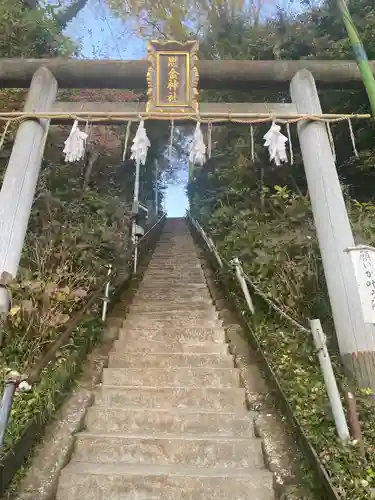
x=14, y=380
x=232, y=266
x=316, y=331
x=246, y=118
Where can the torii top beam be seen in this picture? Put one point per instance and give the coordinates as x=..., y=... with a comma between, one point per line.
x=228, y=74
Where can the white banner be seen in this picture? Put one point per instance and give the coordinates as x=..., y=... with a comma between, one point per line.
x=363, y=259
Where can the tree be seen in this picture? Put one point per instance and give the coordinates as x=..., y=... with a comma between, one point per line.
x=62, y=15
x=184, y=19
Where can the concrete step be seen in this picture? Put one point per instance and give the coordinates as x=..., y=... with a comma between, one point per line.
x=174, y=266
x=172, y=306
x=162, y=286
x=238, y=453
x=192, y=398
x=162, y=279
x=209, y=313
x=169, y=259
x=168, y=346
x=131, y=420
x=169, y=420
x=172, y=377
x=190, y=298
x=173, y=251
x=178, y=322
x=177, y=272
x=169, y=333
x=152, y=360
x=88, y=481
x=178, y=293
x=165, y=281
x=168, y=250
x=196, y=276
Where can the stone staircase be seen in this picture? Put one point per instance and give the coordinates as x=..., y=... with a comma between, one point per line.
x=169, y=420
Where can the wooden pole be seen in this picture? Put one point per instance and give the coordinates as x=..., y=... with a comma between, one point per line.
x=356, y=339
x=18, y=189
x=79, y=73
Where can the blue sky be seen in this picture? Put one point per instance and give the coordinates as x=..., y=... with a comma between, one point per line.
x=102, y=36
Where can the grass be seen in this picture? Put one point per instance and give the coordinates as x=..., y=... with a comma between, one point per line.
x=294, y=361
x=55, y=382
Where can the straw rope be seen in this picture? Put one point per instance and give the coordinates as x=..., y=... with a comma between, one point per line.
x=248, y=118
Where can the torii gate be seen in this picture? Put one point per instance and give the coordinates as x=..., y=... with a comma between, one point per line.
x=176, y=97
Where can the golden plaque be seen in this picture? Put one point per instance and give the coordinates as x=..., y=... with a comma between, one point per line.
x=172, y=79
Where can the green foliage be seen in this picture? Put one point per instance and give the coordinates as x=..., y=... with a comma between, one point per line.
x=262, y=214
x=56, y=379
x=72, y=237
x=279, y=251
x=30, y=32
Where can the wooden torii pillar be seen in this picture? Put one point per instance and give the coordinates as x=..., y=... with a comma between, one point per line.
x=356, y=339
x=18, y=188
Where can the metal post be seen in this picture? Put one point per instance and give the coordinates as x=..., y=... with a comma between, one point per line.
x=135, y=263
x=135, y=213
x=21, y=176
x=136, y=183
x=6, y=407
x=156, y=188
x=241, y=279
x=356, y=340
x=106, y=293
x=329, y=379
x=215, y=252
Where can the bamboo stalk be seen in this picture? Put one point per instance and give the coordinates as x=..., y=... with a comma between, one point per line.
x=359, y=53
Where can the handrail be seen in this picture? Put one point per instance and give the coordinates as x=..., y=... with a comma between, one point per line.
x=222, y=260
x=329, y=490
x=151, y=228
x=138, y=242
x=61, y=339
x=14, y=380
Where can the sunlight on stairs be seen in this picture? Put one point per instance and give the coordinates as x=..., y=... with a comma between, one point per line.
x=169, y=420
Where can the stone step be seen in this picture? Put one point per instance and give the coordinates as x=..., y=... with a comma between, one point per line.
x=173, y=275
x=171, y=293
x=238, y=453
x=165, y=281
x=183, y=250
x=143, y=322
x=168, y=333
x=174, y=314
x=166, y=346
x=173, y=287
x=163, y=263
x=132, y=420
x=176, y=266
x=155, y=274
x=152, y=360
x=192, y=398
x=173, y=260
x=169, y=249
x=89, y=481
x=187, y=276
x=178, y=295
x=163, y=278
x=169, y=307
x=172, y=377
